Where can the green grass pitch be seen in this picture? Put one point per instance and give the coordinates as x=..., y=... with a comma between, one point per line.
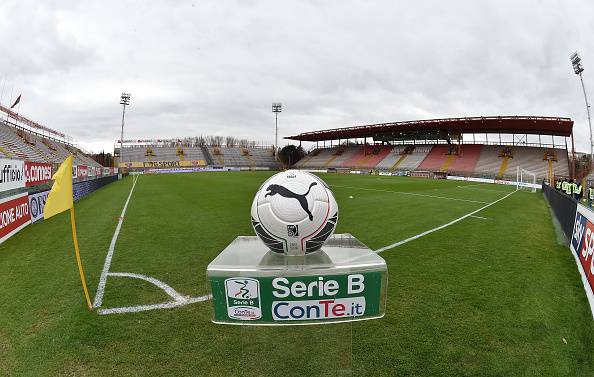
x=493, y=295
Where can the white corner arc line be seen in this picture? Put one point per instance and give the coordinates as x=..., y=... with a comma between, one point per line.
x=103, y=280
x=399, y=243
x=412, y=194
x=165, y=305
x=166, y=288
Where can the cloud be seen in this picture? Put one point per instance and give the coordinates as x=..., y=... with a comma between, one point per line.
x=211, y=67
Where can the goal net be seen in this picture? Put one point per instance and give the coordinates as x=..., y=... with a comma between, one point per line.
x=525, y=180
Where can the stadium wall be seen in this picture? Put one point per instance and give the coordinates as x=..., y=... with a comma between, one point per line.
x=577, y=223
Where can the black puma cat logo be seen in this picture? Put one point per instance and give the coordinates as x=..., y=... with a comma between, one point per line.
x=285, y=192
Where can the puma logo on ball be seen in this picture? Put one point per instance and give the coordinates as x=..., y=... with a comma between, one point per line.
x=285, y=192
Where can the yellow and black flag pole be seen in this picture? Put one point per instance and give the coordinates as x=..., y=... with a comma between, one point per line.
x=59, y=200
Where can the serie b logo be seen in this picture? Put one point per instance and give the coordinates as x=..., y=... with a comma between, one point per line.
x=243, y=298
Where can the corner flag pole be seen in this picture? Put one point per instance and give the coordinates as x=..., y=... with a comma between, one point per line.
x=60, y=199
x=83, y=279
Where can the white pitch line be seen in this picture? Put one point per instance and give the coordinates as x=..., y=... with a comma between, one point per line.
x=103, y=280
x=143, y=308
x=413, y=194
x=482, y=189
x=170, y=291
x=479, y=217
x=399, y=243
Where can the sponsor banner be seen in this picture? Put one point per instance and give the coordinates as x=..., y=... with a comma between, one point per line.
x=82, y=171
x=163, y=164
x=14, y=215
x=298, y=299
x=82, y=189
x=37, y=173
x=36, y=205
x=12, y=175
x=74, y=171
x=315, y=170
x=495, y=181
x=384, y=173
x=178, y=170
x=582, y=248
x=190, y=170
x=400, y=173
x=470, y=179
x=99, y=171
x=106, y=171
x=421, y=174
x=91, y=171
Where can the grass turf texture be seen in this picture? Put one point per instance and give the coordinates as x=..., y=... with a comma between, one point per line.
x=483, y=297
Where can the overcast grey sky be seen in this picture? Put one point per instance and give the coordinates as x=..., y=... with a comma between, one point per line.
x=214, y=67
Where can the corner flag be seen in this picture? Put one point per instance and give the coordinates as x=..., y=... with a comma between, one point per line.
x=59, y=200
x=60, y=197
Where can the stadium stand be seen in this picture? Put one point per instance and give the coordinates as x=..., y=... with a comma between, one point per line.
x=436, y=159
x=22, y=144
x=444, y=150
x=316, y=158
x=468, y=159
x=414, y=159
x=242, y=157
x=368, y=156
x=341, y=155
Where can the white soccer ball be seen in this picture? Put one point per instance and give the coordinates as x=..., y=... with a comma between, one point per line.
x=294, y=212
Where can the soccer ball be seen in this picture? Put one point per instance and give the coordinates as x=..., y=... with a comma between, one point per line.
x=294, y=213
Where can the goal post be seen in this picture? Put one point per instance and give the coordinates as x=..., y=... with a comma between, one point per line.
x=525, y=180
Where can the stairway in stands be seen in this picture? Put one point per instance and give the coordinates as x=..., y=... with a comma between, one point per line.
x=207, y=156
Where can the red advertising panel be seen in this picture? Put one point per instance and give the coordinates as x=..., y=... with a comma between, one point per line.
x=14, y=215
x=37, y=173
x=82, y=171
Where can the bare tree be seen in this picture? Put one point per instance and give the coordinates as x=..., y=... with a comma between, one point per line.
x=230, y=141
x=218, y=140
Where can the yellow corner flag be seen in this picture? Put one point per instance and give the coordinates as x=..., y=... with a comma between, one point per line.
x=59, y=200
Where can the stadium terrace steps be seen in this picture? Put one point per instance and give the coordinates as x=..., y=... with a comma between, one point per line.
x=317, y=158
x=365, y=158
x=397, y=163
x=439, y=159
x=226, y=156
x=467, y=160
x=32, y=147
x=529, y=158
x=207, y=155
x=243, y=157
x=503, y=167
x=391, y=158
x=412, y=161
x=338, y=159
x=435, y=159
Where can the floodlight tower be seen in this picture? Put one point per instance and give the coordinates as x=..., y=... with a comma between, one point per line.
x=277, y=107
x=124, y=101
x=578, y=68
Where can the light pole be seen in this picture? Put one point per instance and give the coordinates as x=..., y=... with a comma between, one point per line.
x=124, y=101
x=277, y=107
x=576, y=62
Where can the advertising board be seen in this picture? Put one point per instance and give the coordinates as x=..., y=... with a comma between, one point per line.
x=14, y=215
